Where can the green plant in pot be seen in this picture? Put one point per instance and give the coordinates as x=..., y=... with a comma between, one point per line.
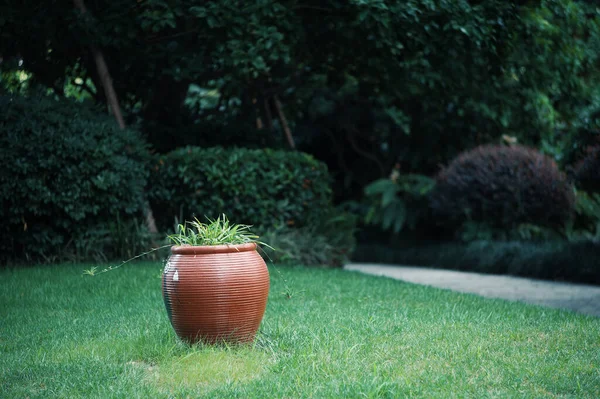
x=215, y=284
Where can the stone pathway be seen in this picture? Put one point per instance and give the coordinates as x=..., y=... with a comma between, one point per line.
x=577, y=297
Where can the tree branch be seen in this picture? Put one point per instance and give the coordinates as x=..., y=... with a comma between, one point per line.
x=109, y=89
x=284, y=124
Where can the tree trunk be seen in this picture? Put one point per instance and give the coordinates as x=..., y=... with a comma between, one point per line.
x=109, y=90
x=284, y=124
x=113, y=103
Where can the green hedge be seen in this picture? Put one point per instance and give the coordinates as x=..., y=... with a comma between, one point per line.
x=560, y=260
x=67, y=170
x=264, y=188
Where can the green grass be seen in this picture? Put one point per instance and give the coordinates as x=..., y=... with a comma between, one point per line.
x=326, y=334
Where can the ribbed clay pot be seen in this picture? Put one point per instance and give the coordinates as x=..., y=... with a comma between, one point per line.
x=215, y=293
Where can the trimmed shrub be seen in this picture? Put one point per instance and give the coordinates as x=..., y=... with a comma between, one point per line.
x=65, y=168
x=264, y=188
x=504, y=187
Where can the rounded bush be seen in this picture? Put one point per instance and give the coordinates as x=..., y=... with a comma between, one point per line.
x=263, y=188
x=503, y=186
x=65, y=168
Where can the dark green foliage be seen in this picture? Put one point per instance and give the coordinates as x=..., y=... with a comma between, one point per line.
x=586, y=172
x=116, y=240
x=476, y=231
x=203, y=133
x=553, y=260
x=399, y=200
x=432, y=78
x=66, y=170
x=263, y=188
x=586, y=224
x=327, y=242
x=504, y=187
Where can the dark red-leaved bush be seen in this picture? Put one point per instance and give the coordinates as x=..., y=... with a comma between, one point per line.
x=503, y=186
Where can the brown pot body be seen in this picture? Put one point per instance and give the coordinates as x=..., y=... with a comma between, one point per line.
x=215, y=293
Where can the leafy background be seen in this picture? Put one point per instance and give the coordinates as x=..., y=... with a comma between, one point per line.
x=383, y=93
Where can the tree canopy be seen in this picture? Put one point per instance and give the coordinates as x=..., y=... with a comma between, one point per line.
x=364, y=84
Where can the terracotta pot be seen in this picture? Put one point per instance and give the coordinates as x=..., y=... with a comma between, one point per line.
x=215, y=293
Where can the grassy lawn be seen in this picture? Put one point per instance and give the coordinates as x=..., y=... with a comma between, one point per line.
x=326, y=334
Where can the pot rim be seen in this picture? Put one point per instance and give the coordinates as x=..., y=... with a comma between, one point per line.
x=212, y=249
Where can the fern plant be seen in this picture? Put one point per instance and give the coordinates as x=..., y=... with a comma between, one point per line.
x=392, y=199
